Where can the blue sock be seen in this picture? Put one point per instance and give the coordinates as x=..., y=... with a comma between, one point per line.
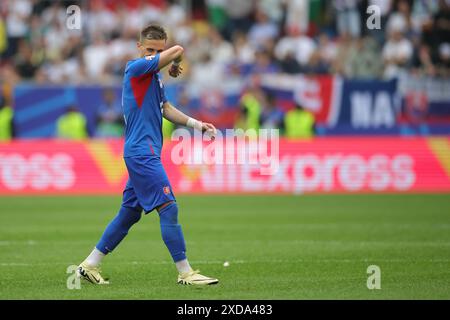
x=171, y=232
x=118, y=229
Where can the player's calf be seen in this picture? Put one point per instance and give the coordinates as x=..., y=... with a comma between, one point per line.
x=173, y=238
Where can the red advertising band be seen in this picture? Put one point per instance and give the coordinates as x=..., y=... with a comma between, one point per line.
x=320, y=165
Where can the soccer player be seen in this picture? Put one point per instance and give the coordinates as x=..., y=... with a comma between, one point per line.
x=148, y=188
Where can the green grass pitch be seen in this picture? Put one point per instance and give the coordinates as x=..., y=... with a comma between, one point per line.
x=279, y=247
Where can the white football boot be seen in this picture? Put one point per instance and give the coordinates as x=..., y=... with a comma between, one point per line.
x=91, y=274
x=195, y=278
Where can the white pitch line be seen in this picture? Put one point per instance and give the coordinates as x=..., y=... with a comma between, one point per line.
x=393, y=244
x=10, y=243
x=219, y=262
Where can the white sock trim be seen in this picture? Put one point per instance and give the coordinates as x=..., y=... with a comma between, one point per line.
x=183, y=266
x=95, y=258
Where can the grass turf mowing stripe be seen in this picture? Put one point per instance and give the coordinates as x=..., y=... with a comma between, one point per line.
x=279, y=247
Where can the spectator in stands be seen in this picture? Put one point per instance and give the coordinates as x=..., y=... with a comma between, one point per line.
x=23, y=61
x=327, y=48
x=207, y=72
x=263, y=29
x=316, y=65
x=3, y=37
x=244, y=53
x=271, y=116
x=348, y=18
x=17, y=26
x=250, y=110
x=96, y=57
x=344, y=50
x=72, y=125
x=238, y=13
x=39, y=47
x=385, y=7
x=272, y=8
x=217, y=14
x=398, y=50
x=299, y=123
x=289, y=64
x=422, y=61
x=297, y=15
x=110, y=121
x=401, y=19
x=223, y=50
x=441, y=20
x=294, y=41
x=263, y=63
x=444, y=60
x=364, y=60
x=6, y=121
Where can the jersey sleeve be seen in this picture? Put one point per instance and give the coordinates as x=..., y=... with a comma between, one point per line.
x=147, y=64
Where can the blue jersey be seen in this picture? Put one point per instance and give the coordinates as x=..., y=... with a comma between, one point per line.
x=142, y=101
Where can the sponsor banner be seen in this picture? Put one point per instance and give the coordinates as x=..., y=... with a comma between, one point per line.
x=332, y=165
x=51, y=166
x=368, y=105
x=323, y=165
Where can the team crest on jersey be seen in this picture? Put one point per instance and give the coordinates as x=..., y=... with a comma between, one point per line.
x=149, y=57
x=166, y=190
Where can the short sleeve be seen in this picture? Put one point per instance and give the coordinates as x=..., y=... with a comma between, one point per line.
x=147, y=64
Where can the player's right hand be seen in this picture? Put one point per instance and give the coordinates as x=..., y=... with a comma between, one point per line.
x=210, y=129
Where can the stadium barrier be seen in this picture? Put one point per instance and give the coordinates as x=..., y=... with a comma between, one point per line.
x=321, y=165
x=405, y=106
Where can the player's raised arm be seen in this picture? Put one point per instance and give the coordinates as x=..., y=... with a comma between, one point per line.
x=173, y=54
x=176, y=116
x=151, y=46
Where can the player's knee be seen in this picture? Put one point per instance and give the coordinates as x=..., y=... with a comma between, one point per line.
x=132, y=215
x=169, y=214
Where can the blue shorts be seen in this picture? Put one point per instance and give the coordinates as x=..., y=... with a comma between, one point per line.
x=148, y=186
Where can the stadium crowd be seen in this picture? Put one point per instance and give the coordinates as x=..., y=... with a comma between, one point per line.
x=224, y=38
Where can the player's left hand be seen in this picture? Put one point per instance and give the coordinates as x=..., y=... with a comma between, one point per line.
x=175, y=71
x=209, y=129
